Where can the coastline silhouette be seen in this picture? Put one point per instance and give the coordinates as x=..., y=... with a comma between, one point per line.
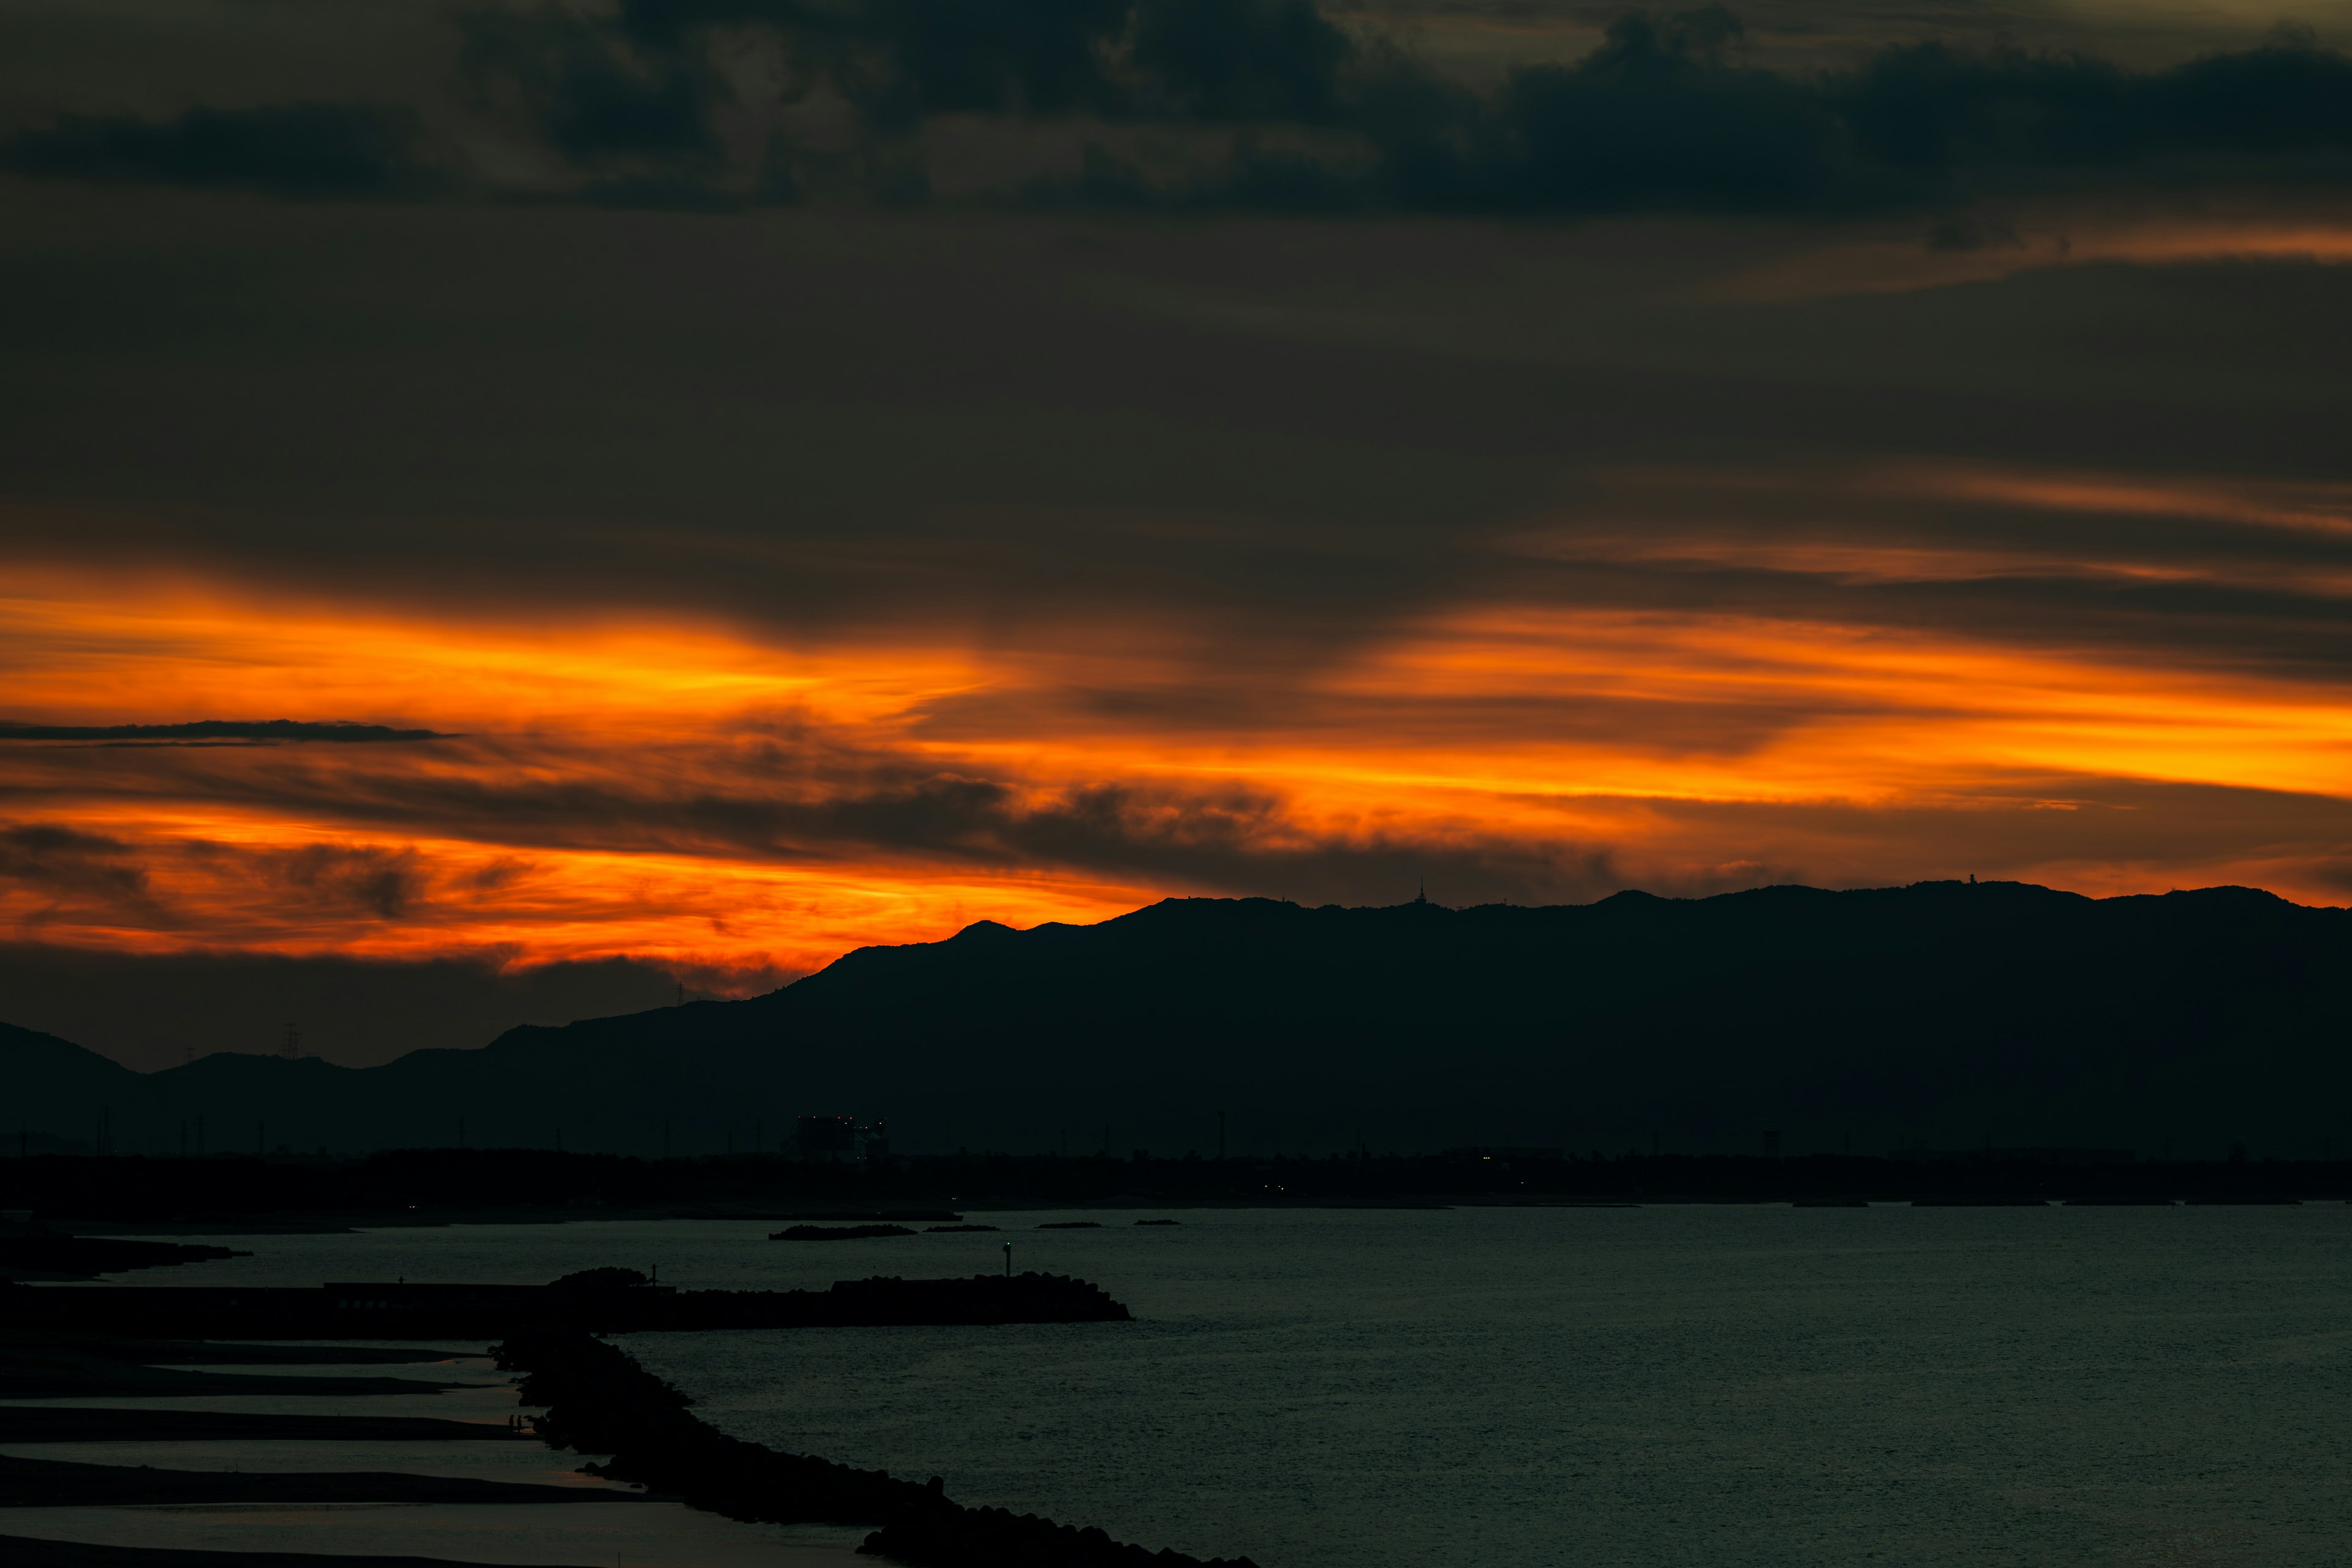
x=1951, y=1015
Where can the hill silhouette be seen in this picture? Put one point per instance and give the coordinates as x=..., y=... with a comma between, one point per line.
x=1947, y=1014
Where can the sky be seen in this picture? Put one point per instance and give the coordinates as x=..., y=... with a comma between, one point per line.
x=522, y=508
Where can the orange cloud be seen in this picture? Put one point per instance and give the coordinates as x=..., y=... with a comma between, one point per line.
x=728, y=798
x=1859, y=713
x=2035, y=239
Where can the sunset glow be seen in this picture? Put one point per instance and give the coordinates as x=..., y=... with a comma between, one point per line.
x=741, y=805
x=2037, y=239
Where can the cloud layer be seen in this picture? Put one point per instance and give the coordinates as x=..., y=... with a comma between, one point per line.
x=630, y=520
x=1222, y=104
x=304, y=151
x=1698, y=680
x=202, y=731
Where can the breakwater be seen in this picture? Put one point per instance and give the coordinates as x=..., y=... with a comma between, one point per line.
x=599, y=1399
x=400, y=1310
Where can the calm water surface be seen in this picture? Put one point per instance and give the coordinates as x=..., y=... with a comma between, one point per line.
x=1670, y=1385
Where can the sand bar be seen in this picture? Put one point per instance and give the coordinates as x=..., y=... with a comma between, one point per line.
x=48, y=1481
x=533, y=1464
x=633, y=1535
x=114, y=1423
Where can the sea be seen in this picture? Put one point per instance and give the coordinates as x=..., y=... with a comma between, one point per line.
x=1662, y=1386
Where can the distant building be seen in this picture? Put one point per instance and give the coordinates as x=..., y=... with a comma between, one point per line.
x=839, y=1139
x=1502, y=1152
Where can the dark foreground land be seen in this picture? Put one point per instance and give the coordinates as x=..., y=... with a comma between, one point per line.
x=599, y=1399
x=77, y=1339
x=32, y=1365
x=18, y=1549
x=1940, y=1012
x=90, y=1196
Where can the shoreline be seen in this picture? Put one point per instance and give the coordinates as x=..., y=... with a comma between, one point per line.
x=597, y=1400
x=597, y=1397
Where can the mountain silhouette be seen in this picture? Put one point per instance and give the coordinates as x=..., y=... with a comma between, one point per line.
x=1943, y=1014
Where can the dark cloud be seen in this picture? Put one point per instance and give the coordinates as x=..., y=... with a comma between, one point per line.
x=889, y=819
x=199, y=730
x=1260, y=447
x=1243, y=59
x=1930, y=108
x=1658, y=116
x=1177, y=488
x=387, y=883
x=1666, y=112
x=54, y=871
x=812, y=802
x=813, y=798
x=807, y=798
x=303, y=150
x=62, y=863
x=732, y=103
x=598, y=96
x=900, y=60
x=1242, y=841
x=2131, y=578
x=1221, y=841
x=1665, y=115
x=642, y=90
